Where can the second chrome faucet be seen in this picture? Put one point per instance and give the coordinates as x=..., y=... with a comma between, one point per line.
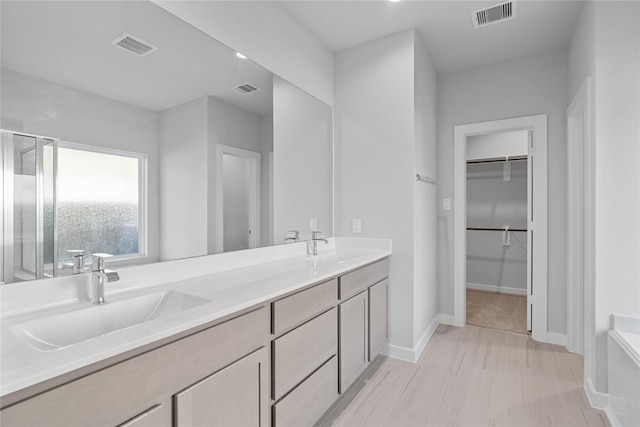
x=312, y=245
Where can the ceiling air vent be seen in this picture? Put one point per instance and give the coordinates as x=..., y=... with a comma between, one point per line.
x=133, y=44
x=246, y=88
x=493, y=14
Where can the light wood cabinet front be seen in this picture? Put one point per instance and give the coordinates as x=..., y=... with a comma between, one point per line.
x=117, y=394
x=354, y=350
x=301, y=351
x=303, y=305
x=235, y=396
x=307, y=402
x=358, y=280
x=377, y=318
x=153, y=417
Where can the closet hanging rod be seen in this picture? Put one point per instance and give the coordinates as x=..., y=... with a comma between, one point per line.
x=515, y=158
x=495, y=229
x=426, y=179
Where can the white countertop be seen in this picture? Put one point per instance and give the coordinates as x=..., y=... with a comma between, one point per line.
x=232, y=282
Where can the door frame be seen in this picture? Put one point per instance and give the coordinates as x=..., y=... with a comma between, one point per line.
x=580, y=226
x=538, y=124
x=253, y=158
x=7, y=220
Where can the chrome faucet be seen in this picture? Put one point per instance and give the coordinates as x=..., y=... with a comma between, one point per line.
x=77, y=261
x=292, y=235
x=100, y=276
x=312, y=245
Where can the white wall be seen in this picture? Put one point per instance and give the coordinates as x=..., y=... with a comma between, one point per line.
x=497, y=145
x=606, y=46
x=425, y=221
x=374, y=143
x=617, y=162
x=617, y=169
x=189, y=134
x=582, y=49
x=268, y=35
x=522, y=87
x=183, y=180
x=302, y=129
x=44, y=108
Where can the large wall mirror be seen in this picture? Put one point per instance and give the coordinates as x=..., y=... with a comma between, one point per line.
x=127, y=131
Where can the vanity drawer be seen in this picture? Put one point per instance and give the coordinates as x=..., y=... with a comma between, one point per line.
x=301, y=351
x=356, y=281
x=306, y=403
x=294, y=309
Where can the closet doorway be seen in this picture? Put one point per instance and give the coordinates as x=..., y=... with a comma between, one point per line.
x=536, y=223
x=498, y=184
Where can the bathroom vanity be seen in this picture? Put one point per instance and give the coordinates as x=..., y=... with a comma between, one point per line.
x=278, y=344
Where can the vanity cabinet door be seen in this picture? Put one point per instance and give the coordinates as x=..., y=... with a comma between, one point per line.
x=377, y=318
x=354, y=350
x=234, y=396
x=152, y=417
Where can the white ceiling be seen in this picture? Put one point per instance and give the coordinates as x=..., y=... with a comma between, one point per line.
x=69, y=43
x=445, y=27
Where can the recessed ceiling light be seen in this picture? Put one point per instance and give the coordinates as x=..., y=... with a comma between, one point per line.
x=241, y=56
x=394, y=1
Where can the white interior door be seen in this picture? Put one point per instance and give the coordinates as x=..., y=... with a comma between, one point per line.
x=235, y=194
x=237, y=198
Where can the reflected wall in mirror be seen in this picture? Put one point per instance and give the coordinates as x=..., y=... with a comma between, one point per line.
x=194, y=121
x=303, y=182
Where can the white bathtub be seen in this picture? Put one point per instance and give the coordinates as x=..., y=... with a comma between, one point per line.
x=623, y=347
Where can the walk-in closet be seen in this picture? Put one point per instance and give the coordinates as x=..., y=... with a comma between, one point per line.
x=497, y=222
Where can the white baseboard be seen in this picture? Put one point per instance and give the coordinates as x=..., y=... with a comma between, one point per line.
x=497, y=289
x=596, y=399
x=448, y=319
x=413, y=354
x=397, y=352
x=551, y=338
x=614, y=421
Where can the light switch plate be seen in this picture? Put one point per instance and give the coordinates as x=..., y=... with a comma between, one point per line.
x=313, y=224
x=356, y=225
x=446, y=204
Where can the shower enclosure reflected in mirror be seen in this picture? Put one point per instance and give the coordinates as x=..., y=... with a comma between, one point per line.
x=114, y=114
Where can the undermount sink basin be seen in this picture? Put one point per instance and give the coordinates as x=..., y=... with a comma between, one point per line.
x=63, y=330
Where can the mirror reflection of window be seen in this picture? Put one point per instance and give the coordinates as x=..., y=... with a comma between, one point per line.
x=99, y=202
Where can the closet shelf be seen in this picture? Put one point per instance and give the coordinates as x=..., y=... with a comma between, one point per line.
x=511, y=159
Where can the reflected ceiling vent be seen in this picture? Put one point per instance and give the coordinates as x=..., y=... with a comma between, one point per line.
x=133, y=44
x=491, y=15
x=246, y=88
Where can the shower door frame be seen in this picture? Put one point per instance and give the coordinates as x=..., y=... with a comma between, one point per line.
x=7, y=250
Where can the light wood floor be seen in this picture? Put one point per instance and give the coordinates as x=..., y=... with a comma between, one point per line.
x=474, y=376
